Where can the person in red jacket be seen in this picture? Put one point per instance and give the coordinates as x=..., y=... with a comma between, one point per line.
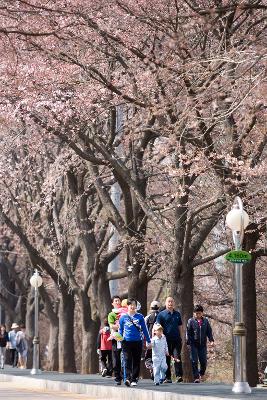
x=104, y=349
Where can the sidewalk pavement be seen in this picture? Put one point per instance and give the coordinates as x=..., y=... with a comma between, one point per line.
x=97, y=387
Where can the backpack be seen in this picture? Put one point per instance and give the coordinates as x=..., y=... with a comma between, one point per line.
x=150, y=321
x=21, y=346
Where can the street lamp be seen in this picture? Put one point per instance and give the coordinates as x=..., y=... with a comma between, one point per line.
x=237, y=220
x=36, y=281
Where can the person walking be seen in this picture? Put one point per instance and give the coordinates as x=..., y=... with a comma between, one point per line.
x=22, y=347
x=159, y=353
x=3, y=345
x=13, y=344
x=113, y=320
x=133, y=329
x=104, y=346
x=171, y=321
x=150, y=320
x=198, y=330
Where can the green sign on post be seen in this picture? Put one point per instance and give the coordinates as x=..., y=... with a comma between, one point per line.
x=238, y=256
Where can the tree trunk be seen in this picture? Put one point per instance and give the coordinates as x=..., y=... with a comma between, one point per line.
x=142, y=296
x=250, y=308
x=90, y=329
x=66, y=333
x=21, y=309
x=182, y=292
x=53, y=348
x=90, y=364
x=51, y=312
x=29, y=322
x=138, y=290
x=103, y=296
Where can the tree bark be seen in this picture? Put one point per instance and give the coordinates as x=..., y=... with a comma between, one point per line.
x=90, y=363
x=250, y=307
x=66, y=333
x=51, y=312
x=182, y=292
x=90, y=329
x=103, y=295
x=53, y=348
x=137, y=288
x=29, y=322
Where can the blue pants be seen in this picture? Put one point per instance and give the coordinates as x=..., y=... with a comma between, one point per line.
x=159, y=369
x=198, y=354
x=123, y=367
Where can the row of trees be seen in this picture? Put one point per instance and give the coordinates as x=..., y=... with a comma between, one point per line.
x=165, y=101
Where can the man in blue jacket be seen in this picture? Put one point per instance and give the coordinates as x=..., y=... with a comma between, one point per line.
x=197, y=331
x=133, y=329
x=171, y=321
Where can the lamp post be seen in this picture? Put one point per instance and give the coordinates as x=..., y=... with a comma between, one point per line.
x=237, y=220
x=36, y=281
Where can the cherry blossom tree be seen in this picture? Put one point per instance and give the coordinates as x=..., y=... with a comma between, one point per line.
x=190, y=78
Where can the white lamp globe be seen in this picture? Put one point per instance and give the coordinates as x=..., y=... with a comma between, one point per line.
x=234, y=219
x=36, y=281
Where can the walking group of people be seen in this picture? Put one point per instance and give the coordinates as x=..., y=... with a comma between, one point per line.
x=126, y=333
x=16, y=342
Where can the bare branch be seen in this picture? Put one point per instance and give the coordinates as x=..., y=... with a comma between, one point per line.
x=201, y=261
x=215, y=318
x=116, y=275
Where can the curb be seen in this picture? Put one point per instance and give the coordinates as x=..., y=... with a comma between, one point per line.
x=99, y=391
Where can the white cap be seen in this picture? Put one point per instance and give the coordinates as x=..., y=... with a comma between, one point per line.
x=155, y=304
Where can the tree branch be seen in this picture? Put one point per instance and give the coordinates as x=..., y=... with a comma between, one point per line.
x=201, y=261
x=215, y=318
x=116, y=275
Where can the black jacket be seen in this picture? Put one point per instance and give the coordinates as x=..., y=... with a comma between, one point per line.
x=3, y=339
x=197, y=335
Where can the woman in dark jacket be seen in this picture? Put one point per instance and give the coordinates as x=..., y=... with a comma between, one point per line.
x=3, y=345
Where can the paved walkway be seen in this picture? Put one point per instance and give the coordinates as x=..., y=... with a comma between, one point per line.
x=96, y=386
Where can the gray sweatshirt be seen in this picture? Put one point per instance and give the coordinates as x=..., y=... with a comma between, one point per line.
x=159, y=347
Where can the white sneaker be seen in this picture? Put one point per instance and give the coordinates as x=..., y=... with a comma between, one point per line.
x=134, y=384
